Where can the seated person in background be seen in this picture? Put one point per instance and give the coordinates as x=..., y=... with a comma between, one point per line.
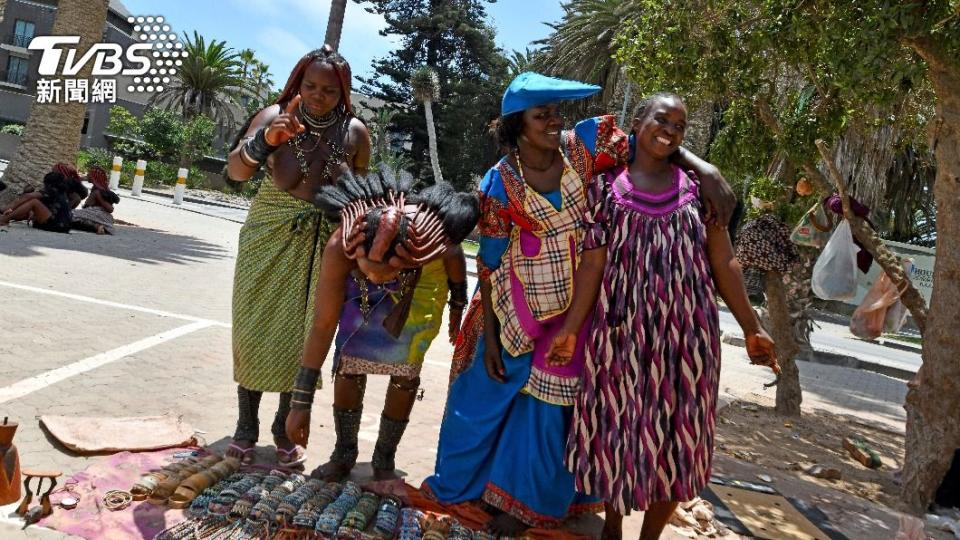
x=76, y=191
x=97, y=212
x=48, y=208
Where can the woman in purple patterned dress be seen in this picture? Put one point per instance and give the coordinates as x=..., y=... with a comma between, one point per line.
x=643, y=427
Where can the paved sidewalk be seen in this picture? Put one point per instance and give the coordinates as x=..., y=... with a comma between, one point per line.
x=70, y=298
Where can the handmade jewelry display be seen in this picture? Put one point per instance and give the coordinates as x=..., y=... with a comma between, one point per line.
x=280, y=505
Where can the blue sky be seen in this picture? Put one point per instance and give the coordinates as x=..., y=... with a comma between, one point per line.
x=281, y=31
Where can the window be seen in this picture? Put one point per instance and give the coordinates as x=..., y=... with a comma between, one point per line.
x=17, y=70
x=86, y=123
x=23, y=33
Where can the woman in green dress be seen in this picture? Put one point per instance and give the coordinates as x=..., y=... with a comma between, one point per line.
x=305, y=140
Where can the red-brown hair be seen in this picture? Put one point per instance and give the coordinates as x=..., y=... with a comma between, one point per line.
x=324, y=55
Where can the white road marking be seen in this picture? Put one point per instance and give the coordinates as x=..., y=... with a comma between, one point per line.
x=39, y=382
x=113, y=304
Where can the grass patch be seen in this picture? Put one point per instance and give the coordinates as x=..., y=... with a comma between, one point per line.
x=916, y=340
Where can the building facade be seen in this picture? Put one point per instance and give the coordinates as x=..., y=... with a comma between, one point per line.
x=20, y=22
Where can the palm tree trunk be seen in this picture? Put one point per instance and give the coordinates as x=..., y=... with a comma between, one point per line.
x=335, y=23
x=432, y=133
x=52, y=132
x=626, y=101
x=933, y=398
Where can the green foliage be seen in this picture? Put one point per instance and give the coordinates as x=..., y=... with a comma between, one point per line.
x=157, y=173
x=123, y=123
x=206, y=83
x=162, y=130
x=99, y=157
x=454, y=39
x=785, y=73
x=582, y=47
x=197, y=136
x=12, y=129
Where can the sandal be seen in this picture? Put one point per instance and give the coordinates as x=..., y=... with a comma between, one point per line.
x=247, y=455
x=292, y=457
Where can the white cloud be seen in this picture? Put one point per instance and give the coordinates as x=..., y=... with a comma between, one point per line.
x=283, y=45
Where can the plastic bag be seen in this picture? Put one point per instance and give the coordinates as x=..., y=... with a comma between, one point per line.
x=868, y=320
x=896, y=315
x=814, y=228
x=835, y=273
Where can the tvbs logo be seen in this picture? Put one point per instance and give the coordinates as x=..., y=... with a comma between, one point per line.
x=107, y=57
x=150, y=62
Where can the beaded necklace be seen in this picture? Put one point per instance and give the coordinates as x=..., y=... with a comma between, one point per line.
x=364, y=285
x=317, y=128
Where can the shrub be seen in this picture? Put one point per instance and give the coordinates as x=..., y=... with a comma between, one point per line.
x=12, y=129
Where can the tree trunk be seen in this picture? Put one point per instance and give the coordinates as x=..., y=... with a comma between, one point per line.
x=626, y=102
x=432, y=134
x=338, y=9
x=933, y=398
x=52, y=133
x=789, y=394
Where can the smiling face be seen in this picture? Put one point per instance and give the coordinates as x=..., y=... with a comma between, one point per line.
x=660, y=130
x=541, y=127
x=320, y=88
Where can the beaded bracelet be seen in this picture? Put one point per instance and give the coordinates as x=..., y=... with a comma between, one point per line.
x=458, y=294
x=411, y=527
x=388, y=516
x=257, y=150
x=459, y=532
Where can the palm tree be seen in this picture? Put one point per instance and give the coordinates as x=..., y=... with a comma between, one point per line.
x=426, y=89
x=518, y=62
x=335, y=23
x=246, y=57
x=588, y=30
x=206, y=83
x=261, y=72
x=52, y=132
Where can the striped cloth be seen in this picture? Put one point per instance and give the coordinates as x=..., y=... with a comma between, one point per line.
x=643, y=427
x=277, y=268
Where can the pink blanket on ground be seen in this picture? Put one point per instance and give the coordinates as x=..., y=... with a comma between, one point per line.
x=120, y=471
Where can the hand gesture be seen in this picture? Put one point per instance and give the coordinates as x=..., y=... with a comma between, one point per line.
x=762, y=351
x=298, y=426
x=285, y=126
x=561, y=348
x=456, y=315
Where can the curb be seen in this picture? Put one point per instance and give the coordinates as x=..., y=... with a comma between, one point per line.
x=834, y=359
x=195, y=200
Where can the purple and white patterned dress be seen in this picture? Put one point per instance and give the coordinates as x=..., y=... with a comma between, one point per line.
x=643, y=426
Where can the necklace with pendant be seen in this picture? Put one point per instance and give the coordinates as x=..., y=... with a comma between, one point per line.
x=338, y=153
x=553, y=157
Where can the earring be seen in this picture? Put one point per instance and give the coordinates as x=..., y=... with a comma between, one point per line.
x=632, y=141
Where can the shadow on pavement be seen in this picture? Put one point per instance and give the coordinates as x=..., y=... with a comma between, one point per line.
x=871, y=393
x=130, y=243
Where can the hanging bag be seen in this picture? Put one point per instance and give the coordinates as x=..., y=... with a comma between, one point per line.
x=814, y=228
x=835, y=273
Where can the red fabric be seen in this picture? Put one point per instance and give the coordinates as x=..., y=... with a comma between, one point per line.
x=471, y=515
